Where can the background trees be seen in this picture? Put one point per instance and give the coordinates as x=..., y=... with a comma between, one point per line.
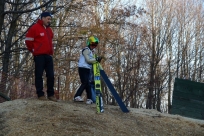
x=145, y=46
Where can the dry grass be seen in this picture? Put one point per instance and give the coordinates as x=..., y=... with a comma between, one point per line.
x=31, y=117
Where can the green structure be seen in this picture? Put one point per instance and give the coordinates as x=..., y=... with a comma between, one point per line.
x=188, y=99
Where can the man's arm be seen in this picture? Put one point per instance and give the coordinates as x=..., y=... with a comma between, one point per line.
x=30, y=39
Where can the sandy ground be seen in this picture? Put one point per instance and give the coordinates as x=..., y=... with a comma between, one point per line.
x=31, y=117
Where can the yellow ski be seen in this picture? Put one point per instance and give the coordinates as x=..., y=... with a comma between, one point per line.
x=97, y=82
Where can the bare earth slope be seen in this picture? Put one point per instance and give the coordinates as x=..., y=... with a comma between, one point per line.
x=31, y=117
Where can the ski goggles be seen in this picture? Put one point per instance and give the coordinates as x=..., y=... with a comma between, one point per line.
x=94, y=44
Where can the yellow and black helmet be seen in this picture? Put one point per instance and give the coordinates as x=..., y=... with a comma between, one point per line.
x=92, y=39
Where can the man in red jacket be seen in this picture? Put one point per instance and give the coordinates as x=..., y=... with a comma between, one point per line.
x=39, y=42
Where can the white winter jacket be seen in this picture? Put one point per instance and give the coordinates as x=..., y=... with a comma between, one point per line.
x=86, y=58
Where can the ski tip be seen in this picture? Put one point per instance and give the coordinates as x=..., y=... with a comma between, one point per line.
x=99, y=112
x=125, y=110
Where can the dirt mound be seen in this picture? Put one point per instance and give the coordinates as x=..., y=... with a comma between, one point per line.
x=31, y=117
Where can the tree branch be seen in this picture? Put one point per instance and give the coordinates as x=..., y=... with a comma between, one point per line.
x=26, y=11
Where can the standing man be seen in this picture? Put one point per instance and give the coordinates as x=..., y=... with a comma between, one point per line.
x=39, y=42
x=84, y=66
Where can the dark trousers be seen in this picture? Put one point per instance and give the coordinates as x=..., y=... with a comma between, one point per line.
x=44, y=63
x=84, y=77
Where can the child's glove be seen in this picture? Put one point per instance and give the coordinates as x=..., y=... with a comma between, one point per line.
x=98, y=59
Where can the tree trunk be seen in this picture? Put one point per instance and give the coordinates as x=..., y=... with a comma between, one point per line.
x=7, y=54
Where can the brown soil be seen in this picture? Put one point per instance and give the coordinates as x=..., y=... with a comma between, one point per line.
x=31, y=117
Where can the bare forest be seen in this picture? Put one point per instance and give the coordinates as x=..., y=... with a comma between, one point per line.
x=146, y=44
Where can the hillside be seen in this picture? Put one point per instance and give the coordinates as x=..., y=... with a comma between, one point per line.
x=31, y=117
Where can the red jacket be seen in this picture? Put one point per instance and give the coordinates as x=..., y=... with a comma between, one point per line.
x=39, y=39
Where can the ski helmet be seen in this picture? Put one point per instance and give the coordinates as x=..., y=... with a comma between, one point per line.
x=92, y=39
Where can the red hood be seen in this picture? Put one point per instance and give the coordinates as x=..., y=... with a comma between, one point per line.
x=41, y=22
